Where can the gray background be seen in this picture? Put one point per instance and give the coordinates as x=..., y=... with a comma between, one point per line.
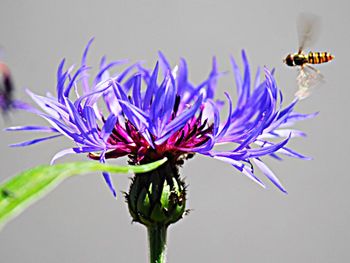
x=233, y=219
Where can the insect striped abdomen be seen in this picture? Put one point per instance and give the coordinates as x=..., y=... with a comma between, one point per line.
x=319, y=57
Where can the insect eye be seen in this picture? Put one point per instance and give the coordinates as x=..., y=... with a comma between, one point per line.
x=289, y=60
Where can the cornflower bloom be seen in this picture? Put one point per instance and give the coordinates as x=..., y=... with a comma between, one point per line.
x=137, y=113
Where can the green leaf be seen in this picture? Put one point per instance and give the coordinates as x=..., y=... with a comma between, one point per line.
x=20, y=191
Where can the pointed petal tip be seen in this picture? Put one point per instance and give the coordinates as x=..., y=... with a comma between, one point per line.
x=314, y=114
x=156, y=67
x=91, y=40
x=233, y=61
x=268, y=72
x=62, y=62
x=244, y=54
x=114, y=193
x=281, y=188
x=83, y=61
x=214, y=62
x=109, y=183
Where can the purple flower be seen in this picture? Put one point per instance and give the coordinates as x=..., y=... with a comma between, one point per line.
x=146, y=115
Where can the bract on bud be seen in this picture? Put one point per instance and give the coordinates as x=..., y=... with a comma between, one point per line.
x=157, y=197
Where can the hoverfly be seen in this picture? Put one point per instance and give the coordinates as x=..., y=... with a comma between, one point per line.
x=308, y=77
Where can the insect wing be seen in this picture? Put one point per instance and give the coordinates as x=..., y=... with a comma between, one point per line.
x=308, y=26
x=308, y=79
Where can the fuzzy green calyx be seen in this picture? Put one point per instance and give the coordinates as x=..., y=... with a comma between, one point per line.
x=157, y=197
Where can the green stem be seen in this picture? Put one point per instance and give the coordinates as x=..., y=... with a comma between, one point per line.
x=157, y=243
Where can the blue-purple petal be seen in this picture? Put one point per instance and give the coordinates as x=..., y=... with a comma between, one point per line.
x=35, y=141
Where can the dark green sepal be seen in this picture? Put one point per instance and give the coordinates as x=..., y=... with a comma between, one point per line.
x=157, y=197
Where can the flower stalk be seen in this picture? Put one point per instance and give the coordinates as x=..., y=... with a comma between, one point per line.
x=157, y=243
x=157, y=199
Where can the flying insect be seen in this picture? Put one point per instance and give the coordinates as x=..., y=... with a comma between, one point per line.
x=308, y=76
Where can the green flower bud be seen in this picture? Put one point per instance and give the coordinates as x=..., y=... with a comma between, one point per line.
x=157, y=197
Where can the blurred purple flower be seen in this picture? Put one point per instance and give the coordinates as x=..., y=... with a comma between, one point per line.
x=143, y=116
x=6, y=89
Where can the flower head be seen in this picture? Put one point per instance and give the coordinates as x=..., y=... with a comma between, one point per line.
x=146, y=115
